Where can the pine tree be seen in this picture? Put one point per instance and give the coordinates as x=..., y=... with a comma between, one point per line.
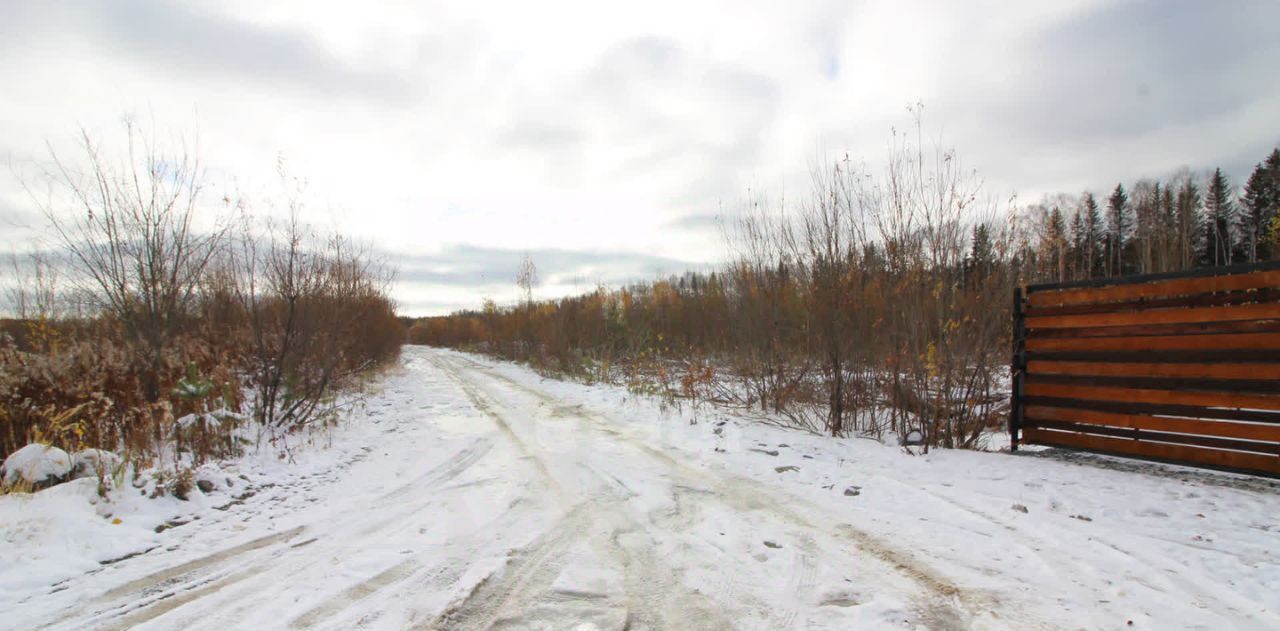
x=1219, y=246
x=982, y=255
x=1169, y=260
x=1056, y=242
x=1261, y=201
x=1119, y=223
x=1189, y=220
x=1078, y=266
x=1143, y=244
x=1149, y=228
x=1093, y=234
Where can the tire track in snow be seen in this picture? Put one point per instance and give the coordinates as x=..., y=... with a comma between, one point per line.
x=421, y=570
x=481, y=403
x=354, y=594
x=149, y=597
x=168, y=588
x=436, y=574
x=940, y=605
x=801, y=582
x=443, y=472
x=653, y=593
x=163, y=591
x=179, y=572
x=135, y=617
x=528, y=571
x=653, y=596
x=436, y=478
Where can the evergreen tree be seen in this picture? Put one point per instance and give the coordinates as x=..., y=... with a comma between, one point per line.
x=1078, y=265
x=1169, y=260
x=1056, y=237
x=982, y=254
x=1093, y=235
x=1190, y=220
x=1220, y=246
x=1149, y=227
x=1261, y=201
x=1119, y=223
x=1142, y=246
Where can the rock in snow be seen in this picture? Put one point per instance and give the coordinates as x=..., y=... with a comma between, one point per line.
x=87, y=463
x=37, y=464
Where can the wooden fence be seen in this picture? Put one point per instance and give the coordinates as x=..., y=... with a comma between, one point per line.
x=1180, y=367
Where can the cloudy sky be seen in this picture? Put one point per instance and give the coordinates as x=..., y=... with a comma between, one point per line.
x=605, y=138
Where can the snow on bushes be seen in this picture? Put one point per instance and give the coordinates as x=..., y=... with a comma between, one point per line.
x=91, y=463
x=42, y=466
x=36, y=464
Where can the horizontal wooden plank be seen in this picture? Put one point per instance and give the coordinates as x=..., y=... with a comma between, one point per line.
x=1164, y=357
x=1163, y=316
x=1157, y=409
x=1260, y=341
x=1157, y=289
x=1181, y=453
x=1139, y=279
x=1225, y=429
x=1160, y=451
x=1185, y=328
x=1137, y=395
x=1214, y=442
x=1194, y=300
x=1252, y=386
x=1249, y=371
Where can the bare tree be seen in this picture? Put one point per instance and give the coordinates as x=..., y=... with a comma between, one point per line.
x=130, y=230
x=34, y=294
x=527, y=278
x=830, y=238
x=765, y=291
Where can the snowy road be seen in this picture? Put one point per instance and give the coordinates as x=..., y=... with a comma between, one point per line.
x=483, y=497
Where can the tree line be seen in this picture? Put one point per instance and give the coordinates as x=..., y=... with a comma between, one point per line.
x=1156, y=226
x=880, y=302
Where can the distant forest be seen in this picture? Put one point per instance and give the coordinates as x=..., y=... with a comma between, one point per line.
x=1156, y=226
x=880, y=302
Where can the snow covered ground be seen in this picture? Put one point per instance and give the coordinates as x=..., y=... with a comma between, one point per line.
x=472, y=494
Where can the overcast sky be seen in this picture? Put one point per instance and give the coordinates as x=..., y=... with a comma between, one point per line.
x=604, y=138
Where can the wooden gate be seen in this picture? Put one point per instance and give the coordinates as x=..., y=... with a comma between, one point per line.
x=1179, y=367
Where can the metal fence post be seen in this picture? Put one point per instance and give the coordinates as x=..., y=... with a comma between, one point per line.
x=1016, y=366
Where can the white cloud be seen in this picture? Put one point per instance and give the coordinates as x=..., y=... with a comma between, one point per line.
x=623, y=128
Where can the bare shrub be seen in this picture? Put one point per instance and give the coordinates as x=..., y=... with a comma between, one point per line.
x=129, y=227
x=316, y=313
x=188, y=326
